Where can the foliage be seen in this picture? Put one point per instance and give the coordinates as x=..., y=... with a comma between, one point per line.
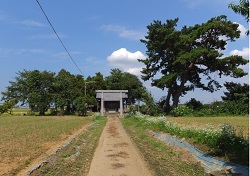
x=180, y=111
x=236, y=100
x=67, y=92
x=182, y=56
x=119, y=80
x=194, y=104
x=7, y=106
x=67, y=87
x=236, y=92
x=32, y=87
x=242, y=8
x=80, y=105
x=94, y=83
x=222, y=141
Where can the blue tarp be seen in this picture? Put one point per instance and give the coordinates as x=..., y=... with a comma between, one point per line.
x=209, y=163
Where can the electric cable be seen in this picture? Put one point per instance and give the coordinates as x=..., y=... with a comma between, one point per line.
x=58, y=36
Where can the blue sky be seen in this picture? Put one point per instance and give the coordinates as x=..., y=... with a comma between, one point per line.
x=99, y=35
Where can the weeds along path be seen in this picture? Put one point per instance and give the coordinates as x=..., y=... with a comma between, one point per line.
x=53, y=148
x=116, y=154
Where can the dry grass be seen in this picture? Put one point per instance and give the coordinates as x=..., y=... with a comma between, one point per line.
x=75, y=159
x=24, y=138
x=240, y=123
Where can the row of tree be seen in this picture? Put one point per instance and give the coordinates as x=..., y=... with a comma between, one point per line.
x=42, y=90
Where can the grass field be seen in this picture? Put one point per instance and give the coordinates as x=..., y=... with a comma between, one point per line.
x=162, y=159
x=23, y=138
x=240, y=123
x=211, y=135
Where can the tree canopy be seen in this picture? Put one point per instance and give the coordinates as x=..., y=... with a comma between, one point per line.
x=185, y=59
x=236, y=92
x=119, y=80
x=242, y=9
x=32, y=87
x=42, y=90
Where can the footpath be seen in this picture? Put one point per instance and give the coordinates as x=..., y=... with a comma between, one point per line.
x=115, y=154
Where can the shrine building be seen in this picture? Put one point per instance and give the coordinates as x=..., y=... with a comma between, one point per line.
x=111, y=100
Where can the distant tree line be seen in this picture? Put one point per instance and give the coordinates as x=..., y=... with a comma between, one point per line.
x=65, y=93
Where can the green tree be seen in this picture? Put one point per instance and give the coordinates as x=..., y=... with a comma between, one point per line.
x=114, y=81
x=33, y=88
x=178, y=58
x=236, y=99
x=194, y=104
x=119, y=80
x=67, y=87
x=236, y=92
x=80, y=105
x=8, y=106
x=94, y=83
x=242, y=9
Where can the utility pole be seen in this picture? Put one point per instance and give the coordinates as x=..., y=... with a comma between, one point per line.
x=86, y=86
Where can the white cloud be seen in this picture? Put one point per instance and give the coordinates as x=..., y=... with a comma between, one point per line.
x=242, y=29
x=30, y=23
x=244, y=53
x=126, y=61
x=135, y=71
x=124, y=32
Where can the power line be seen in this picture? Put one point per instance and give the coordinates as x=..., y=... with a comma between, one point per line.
x=58, y=36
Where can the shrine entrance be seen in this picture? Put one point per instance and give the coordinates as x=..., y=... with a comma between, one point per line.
x=111, y=100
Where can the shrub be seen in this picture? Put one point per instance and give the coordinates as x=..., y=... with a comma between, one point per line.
x=181, y=111
x=194, y=104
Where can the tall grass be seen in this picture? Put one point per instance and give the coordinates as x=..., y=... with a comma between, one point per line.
x=223, y=140
x=240, y=123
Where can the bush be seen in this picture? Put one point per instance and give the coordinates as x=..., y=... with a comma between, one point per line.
x=194, y=104
x=181, y=111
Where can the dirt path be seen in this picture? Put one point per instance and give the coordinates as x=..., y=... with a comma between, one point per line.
x=116, y=155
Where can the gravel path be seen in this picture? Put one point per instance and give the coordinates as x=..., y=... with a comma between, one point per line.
x=116, y=155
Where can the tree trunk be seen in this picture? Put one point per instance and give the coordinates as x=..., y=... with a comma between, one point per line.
x=176, y=97
x=168, y=96
x=180, y=88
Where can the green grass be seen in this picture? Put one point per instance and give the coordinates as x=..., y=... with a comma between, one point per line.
x=240, y=123
x=24, y=138
x=162, y=159
x=221, y=142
